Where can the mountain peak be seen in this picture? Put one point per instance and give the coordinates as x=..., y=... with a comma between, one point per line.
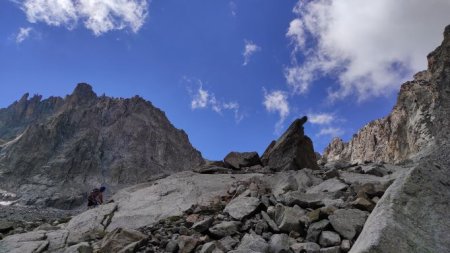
x=82, y=93
x=84, y=89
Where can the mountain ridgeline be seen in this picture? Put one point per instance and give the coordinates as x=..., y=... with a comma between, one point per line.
x=419, y=121
x=55, y=150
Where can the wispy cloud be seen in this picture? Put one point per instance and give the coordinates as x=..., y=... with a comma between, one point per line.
x=370, y=47
x=99, y=16
x=249, y=49
x=331, y=131
x=204, y=99
x=23, y=34
x=276, y=101
x=321, y=118
x=233, y=8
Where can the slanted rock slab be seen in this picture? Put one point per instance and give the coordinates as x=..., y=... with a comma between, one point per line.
x=90, y=224
x=331, y=185
x=242, y=207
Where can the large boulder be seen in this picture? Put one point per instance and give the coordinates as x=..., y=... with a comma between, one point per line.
x=293, y=150
x=237, y=160
x=145, y=204
x=412, y=216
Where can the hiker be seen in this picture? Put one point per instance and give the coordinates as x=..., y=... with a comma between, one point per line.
x=95, y=198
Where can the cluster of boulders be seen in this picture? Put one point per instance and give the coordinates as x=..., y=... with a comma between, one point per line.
x=293, y=211
x=292, y=151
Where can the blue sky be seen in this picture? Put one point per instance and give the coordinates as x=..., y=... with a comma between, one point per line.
x=232, y=74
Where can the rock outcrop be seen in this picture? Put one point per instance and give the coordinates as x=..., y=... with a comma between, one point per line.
x=293, y=150
x=58, y=149
x=418, y=121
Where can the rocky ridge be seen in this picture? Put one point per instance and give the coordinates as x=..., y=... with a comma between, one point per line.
x=56, y=150
x=418, y=121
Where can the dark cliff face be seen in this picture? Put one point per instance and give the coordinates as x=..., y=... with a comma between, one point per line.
x=58, y=149
x=418, y=121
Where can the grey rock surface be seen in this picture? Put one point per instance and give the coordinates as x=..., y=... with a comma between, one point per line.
x=306, y=247
x=348, y=222
x=279, y=243
x=242, y=207
x=31, y=242
x=412, y=216
x=315, y=229
x=329, y=239
x=225, y=228
x=331, y=185
x=120, y=238
x=253, y=243
x=90, y=224
x=82, y=247
x=145, y=204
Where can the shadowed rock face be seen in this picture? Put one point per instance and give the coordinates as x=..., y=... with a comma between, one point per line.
x=57, y=149
x=418, y=121
x=293, y=150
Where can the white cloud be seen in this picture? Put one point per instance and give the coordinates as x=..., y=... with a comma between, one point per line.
x=249, y=49
x=276, y=101
x=369, y=46
x=23, y=34
x=200, y=99
x=204, y=99
x=296, y=33
x=321, y=118
x=100, y=16
x=331, y=131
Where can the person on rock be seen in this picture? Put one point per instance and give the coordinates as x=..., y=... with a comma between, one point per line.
x=95, y=198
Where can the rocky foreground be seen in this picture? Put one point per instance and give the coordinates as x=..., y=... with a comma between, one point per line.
x=292, y=211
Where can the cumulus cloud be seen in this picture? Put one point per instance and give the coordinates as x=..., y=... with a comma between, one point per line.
x=321, y=118
x=203, y=99
x=99, y=16
x=23, y=34
x=249, y=49
x=276, y=101
x=370, y=47
x=331, y=131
